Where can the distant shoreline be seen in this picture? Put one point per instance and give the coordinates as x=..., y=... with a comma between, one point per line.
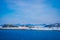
x=27, y=28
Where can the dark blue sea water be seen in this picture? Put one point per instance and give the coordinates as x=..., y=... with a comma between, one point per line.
x=29, y=35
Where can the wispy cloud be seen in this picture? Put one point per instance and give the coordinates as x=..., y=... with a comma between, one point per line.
x=36, y=11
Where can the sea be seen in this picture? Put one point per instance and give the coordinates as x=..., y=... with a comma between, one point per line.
x=29, y=34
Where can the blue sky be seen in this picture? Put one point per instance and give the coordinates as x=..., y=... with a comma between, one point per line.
x=29, y=11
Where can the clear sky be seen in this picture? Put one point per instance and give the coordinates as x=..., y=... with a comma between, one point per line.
x=29, y=11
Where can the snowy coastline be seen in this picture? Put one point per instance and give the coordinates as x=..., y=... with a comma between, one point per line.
x=32, y=28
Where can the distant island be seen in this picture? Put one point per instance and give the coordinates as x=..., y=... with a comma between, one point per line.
x=55, y=26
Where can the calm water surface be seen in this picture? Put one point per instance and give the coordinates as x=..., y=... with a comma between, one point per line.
x=29, y=35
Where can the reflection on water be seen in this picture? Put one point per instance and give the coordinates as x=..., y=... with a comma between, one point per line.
x=29, y=35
